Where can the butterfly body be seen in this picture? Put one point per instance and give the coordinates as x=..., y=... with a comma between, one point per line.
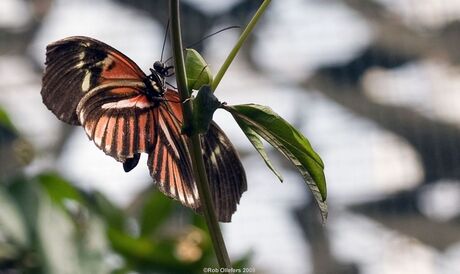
x=126, y=113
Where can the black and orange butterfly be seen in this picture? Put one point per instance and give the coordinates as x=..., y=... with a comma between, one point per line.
x=125, y=112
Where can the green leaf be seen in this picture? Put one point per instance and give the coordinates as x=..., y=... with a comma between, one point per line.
x=258, y=145
x=129, y=245
x=198, y=72
x=156, y=211
x=245, y=261
x=290, y=142
x=5, y=121
x=12, y=224
x=93, y=246
x=143, y=249
x=26, y=193
x=56, y=234
x=112, y=215
x=15, y=151
x=58, y=188
x=204, y=106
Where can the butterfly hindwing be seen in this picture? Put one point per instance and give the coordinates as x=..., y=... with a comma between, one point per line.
x=225, y=172
x=170, y=163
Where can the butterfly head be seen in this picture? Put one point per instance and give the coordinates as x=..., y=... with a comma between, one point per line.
x=162, y=69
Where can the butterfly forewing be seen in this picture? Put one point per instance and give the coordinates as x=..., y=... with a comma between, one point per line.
x=77, y=64
x=88, y=82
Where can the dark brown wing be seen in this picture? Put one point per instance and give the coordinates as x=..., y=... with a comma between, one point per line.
x=90, y=83
x=226, y=174
x=170, y=163
x=74, y=66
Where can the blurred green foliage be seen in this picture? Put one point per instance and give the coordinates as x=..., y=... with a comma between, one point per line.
x=47, y=225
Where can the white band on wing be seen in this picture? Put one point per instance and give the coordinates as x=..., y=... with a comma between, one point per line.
x=139, y=101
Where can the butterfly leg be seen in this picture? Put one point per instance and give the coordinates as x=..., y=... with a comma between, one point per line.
x=168, y=73
x=171, y=85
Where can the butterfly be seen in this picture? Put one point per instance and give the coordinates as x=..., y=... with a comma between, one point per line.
x=125, y=113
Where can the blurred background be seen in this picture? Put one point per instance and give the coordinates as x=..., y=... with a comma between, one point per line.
x=374, y=85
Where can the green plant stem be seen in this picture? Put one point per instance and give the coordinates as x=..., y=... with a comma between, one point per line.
x=238, y=44
x=196, y=152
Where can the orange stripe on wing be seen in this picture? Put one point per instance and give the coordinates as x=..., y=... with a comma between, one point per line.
x=131, y=135
x=163, y=169
x=119, y=66
x=172, y=180
x=120, y=135
x=100, y=130
x=179, y=183
x=141, y=128
x=109, y=136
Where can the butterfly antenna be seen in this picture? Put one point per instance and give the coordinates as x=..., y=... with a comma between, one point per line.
x=206, y=37
x=164, y=41
x=212, y=34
